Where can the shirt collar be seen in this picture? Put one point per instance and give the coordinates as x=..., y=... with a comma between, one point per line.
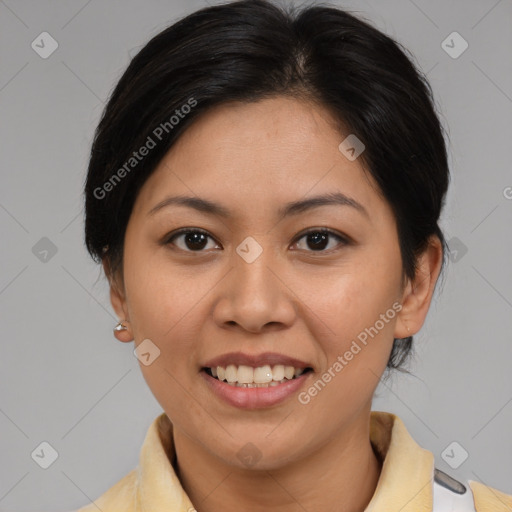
x=405, y=482
x=406, y=479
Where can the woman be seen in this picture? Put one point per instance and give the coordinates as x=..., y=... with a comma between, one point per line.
x=264, y=192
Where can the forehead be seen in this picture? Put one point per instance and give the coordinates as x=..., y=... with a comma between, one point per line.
x=260, y=154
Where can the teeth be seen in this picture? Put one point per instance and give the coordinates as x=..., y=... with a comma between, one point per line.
x=231, y=373
x=245, y=374
x=262, y=376
x=289, y=372
x=278, y=372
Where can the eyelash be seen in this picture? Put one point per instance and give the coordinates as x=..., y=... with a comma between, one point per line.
x=343, y=239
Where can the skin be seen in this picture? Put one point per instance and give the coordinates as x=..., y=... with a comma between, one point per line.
x=295, y=300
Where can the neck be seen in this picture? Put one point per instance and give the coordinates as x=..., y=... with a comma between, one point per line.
x=344, y=470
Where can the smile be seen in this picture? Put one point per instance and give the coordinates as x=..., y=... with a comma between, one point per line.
x=255, y=395
x=259, y=377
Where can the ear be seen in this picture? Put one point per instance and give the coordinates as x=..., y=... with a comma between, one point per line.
x=417, y=293
x=118, y=300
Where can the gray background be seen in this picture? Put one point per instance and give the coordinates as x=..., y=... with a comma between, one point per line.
x=64, y=377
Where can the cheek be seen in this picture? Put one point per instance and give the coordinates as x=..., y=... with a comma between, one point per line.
x=355, y=306
x=164, y=308
x=158, y=296
x=158, y=305
x=359, y=313
x=350, y=299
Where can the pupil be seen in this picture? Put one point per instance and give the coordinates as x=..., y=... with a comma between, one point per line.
x=197, y=240
x=319, y=240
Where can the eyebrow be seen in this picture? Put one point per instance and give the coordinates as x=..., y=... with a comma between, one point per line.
x=293, y=208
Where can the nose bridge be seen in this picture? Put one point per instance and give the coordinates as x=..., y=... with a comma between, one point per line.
x=252, y=263
x=254, y=295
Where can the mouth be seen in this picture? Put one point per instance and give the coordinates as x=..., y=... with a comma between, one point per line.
x=266, y=376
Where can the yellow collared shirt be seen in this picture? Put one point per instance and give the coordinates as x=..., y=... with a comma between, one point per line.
x=408, y=482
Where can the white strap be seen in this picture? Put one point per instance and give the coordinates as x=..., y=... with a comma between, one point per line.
x=446, y=500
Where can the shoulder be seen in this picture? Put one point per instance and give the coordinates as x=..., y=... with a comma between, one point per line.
x=488, y=498
x=450, y=494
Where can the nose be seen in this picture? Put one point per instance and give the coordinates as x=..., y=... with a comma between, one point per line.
x=255, y=296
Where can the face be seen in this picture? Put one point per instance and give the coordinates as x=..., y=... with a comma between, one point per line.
x=317, y=289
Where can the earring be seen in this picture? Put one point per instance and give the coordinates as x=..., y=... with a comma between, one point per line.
x=120, y=327
x=122, y=331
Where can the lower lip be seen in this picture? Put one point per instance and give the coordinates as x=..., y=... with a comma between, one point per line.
x=254, y=398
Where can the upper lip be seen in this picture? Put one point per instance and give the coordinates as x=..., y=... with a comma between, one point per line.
x=266, y=358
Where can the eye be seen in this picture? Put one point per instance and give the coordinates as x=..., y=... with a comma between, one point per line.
x=194, y=240
x=318, y=239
